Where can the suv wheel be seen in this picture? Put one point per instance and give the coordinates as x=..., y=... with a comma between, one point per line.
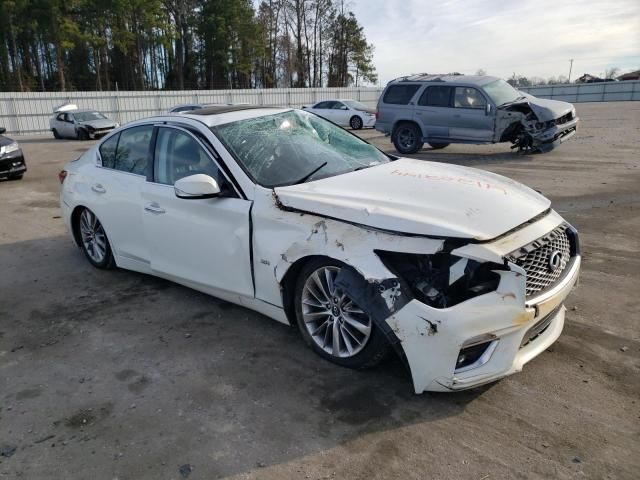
x=407, y=138
x=438, y=145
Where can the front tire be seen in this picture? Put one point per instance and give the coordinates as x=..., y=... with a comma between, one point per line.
x=94, y=241
x=438, y=145
x=407, y=138
x=16, y=177
x=83, y=135
x=355, y=122
x=331, y=323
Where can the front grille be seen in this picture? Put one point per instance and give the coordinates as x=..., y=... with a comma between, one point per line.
x=544, y=260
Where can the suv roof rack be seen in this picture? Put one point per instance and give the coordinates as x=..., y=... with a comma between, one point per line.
x=424, y=77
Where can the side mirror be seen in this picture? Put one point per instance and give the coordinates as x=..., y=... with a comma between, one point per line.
x=488, y=109
x=196, y=186
x=2, y=130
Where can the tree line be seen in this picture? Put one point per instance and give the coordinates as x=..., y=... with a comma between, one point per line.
x=51, y=45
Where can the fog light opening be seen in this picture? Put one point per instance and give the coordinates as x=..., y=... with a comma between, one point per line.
x=475, y=352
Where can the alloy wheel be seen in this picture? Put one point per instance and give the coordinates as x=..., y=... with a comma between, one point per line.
x=407, y=138
x=334, y=322
x=94, y=239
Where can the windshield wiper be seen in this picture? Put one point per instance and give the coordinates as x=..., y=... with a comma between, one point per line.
x=309, y=175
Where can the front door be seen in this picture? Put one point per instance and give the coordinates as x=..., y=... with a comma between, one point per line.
x=202, y=242
x=471, y=120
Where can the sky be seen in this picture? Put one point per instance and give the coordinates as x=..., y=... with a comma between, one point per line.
x=525, y=37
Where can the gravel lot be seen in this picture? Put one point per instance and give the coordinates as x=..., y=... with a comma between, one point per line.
x=114, y=374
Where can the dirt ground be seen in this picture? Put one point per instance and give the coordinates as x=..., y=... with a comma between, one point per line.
x=117, y=375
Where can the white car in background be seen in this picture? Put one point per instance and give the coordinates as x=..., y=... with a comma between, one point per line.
x=343, y=112
x=462, y=272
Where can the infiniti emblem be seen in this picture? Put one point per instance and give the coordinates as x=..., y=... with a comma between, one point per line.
x=555, y=260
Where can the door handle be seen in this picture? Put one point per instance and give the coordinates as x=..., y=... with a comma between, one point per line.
x=154, y=208
x=98, y=188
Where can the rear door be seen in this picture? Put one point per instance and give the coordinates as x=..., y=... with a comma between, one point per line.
x=116, y=188
x=471, y=120
x=434, y=112
x=396, y=104
x=202, y=242
x=340, y=113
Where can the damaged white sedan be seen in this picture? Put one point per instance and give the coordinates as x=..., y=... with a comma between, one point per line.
x=462, y=272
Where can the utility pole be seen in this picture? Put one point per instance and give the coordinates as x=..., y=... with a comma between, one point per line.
x=570, y=68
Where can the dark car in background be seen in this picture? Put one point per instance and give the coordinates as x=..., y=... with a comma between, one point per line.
x=12, y=164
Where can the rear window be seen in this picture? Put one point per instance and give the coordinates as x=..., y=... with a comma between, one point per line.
x=437, y=96
x=400, y=94
x=108, y=151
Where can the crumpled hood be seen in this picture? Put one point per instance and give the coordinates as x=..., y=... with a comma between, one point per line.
x=421, y=198
x=101, y=123
x=547, y=110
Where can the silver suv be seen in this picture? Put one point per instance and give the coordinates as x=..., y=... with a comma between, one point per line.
x=444, y=109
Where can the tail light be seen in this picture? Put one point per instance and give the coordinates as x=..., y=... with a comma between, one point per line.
x=62, y=175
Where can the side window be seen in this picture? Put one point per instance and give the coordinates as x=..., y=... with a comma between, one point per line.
x=108, y=151
x=322, y=105
x=468, y=97
x=132, y=154
x=437, y=96
x=400, y=94
x=60, y=117
x=339, y=106
x=68, y=118
x=179, y=155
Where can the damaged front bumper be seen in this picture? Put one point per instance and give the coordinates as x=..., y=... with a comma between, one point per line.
x=490, y=336
x=551, y=138
x=432, y=339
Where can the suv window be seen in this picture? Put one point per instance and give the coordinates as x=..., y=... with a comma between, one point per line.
x=108, y=151
x=468, y=97
x=179, y=155
x=132, y=154
x=437, y=96
x=400, y=94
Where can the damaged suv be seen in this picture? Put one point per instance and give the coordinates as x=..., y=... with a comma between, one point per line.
x=444, y=109
x=462, y=272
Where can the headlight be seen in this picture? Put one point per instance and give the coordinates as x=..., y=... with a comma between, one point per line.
x=442, y=280
x=12, y=147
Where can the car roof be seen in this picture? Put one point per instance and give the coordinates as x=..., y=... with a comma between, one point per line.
x=436, y=78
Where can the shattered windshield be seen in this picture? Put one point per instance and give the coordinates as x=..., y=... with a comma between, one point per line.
x=294, y=147
x=501, y=92
x=88, y=116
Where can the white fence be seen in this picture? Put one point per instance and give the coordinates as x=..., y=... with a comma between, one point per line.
x=588, y=92
x=22, y=113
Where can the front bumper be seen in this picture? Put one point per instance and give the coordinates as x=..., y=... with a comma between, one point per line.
x=553, y=137
x=95, y=134
x=12, y=164
x=369, y=121
x=516, y=329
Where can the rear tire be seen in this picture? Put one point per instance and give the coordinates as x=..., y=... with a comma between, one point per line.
x=94, y=241
x=322, y=310
x=355, y=122
x=56, y=135
x=407, y=138
x=438, y=145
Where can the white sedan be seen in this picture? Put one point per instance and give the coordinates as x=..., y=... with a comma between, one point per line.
x=346, y=113
x=462, y=272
